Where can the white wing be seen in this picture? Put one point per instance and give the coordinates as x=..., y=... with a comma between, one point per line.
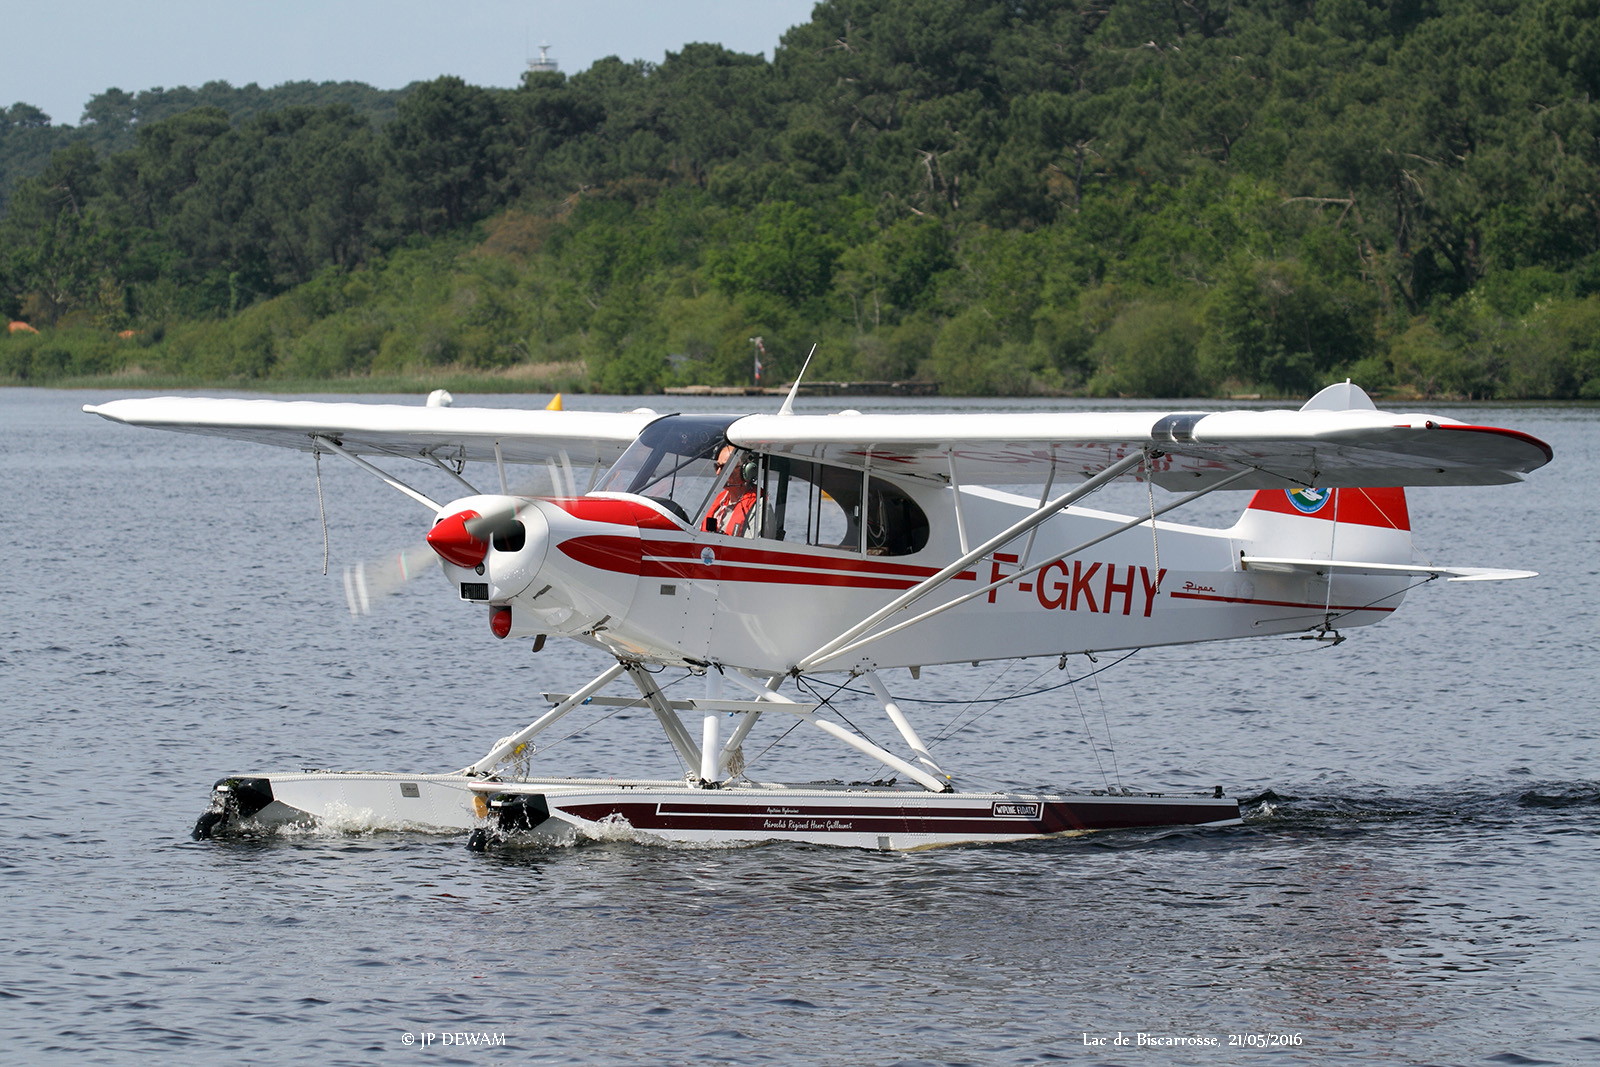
x=1287, y=449
x=1323, y=444
x=582, y=438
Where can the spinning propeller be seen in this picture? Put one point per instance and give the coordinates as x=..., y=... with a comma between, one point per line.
x=369, y=580
x=461, y=537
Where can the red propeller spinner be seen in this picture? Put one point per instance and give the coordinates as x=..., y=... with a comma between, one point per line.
x=453, y=540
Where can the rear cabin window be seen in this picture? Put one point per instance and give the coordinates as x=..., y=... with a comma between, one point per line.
x=817, y=504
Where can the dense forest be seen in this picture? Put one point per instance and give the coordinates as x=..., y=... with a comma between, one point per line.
x=110, y=120
x=1109, y=197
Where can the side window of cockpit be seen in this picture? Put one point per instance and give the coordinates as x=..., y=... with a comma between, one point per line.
x=818, y=504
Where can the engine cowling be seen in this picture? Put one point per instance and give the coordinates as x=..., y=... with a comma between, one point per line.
x=499, y=551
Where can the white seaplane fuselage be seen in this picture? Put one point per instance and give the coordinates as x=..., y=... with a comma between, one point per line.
x=627, y=569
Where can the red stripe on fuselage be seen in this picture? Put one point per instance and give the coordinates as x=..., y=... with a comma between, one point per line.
x=742, y=551
x=615, y=512
x=657, y=558
x=632, y=513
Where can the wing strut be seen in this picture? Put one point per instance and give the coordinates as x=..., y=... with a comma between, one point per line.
x=377, y=472
x=472, y=490
x=1035, y=568
x=928, y=585
x=955, y=495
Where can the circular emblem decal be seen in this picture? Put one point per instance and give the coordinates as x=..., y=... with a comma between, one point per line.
x=707, y=556
x=1308, y=500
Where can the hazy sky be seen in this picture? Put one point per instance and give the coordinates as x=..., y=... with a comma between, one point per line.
x=60, y=53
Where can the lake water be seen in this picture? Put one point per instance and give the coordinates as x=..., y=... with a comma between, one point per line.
x=1415, y=881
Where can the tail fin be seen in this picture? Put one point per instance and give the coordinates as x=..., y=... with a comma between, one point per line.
x=1347, y=551
x=1371, y=525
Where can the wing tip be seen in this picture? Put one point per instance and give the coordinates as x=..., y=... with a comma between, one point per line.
x=1516, y=435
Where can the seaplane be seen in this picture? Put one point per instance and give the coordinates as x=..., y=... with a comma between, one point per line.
x=720, y=560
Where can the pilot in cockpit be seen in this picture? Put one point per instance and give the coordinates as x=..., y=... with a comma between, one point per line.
x=731, y=509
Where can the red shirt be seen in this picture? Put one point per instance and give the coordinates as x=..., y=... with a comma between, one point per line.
x=729, y=513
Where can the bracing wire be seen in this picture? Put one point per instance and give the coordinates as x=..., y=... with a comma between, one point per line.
x=1329, y=616
x=1083, y=715
x=775, y=742
x=824, y=701
x=1000, y=700
x=1105, y=720
x=956, y=725
x=950, y=729
x=322, y=511
x=828, y=703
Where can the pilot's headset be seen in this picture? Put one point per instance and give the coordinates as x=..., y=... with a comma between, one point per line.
x=749, y=467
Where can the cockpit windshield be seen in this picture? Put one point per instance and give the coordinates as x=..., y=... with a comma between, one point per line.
x=674, y=463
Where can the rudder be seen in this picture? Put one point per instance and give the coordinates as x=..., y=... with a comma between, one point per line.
x=1368, y=524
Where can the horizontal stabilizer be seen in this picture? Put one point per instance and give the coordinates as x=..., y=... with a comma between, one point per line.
x=1340, y=566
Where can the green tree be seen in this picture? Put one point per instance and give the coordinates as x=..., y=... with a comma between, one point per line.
x=1273, y=325
x=61, y=250
x=895, y=272
x=783, y=253
x=275, y=199
x=1149, y=350
x=447, y=154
